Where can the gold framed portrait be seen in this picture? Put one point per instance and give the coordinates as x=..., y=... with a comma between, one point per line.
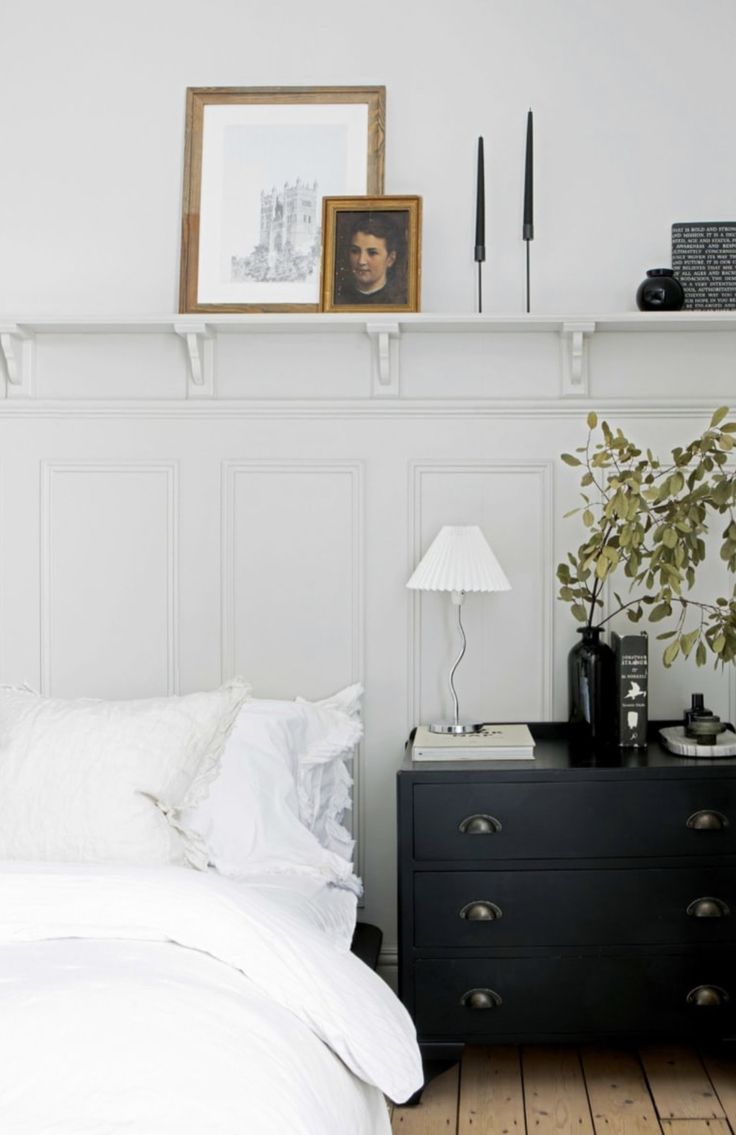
x=371, y=259
x=257, y=163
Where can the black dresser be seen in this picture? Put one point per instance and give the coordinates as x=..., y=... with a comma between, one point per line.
x=570, y=898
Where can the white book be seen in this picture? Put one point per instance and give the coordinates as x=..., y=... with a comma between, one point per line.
x=493, y=742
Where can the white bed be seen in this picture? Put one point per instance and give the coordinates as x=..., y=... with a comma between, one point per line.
x=154, y=999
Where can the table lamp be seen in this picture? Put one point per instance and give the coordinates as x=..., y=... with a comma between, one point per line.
x=458, y=560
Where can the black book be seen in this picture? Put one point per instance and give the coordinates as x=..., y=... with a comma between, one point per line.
x=631, y=687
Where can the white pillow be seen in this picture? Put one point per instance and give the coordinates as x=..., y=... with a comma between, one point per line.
x=278, y=798
x=324, y=737
x=93, y=781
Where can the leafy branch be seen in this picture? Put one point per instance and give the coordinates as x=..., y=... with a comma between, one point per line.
x=649, y=521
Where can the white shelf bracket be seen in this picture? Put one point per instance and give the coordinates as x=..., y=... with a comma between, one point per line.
x=385, y=338
x=18, y=351
x=201, y=351
x=574, y=338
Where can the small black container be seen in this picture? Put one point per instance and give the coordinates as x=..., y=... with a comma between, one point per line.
x=661, y=291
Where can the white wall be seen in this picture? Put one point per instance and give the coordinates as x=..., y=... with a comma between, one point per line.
x=633, y=114
x=633, y=108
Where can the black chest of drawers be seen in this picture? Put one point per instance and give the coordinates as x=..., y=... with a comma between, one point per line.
x=569, y=898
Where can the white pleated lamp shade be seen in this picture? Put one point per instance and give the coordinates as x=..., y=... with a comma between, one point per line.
x=459, y=559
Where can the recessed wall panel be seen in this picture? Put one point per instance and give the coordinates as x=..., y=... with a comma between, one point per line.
x=108, y=580
x=292, y=575
x=505, y=674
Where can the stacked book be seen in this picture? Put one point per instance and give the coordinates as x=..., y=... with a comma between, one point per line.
x=492, y=742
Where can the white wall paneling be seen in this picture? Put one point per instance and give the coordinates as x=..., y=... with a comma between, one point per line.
x=507, y=670
x=109, y=580
x=293, y=580
x=152, y=541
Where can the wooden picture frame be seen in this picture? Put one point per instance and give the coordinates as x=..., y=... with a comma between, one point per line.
x=372, y=253
x=257, y=162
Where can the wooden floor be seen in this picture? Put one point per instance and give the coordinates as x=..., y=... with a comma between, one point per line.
x=657, y=1090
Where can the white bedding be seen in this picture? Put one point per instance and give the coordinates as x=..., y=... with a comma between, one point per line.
x=162, y=1000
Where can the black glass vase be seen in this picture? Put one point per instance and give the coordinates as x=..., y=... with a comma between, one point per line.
x=591, y=684
x=660, y=291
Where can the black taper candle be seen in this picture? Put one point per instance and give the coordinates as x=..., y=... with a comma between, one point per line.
x=528, y=226
x=480, y=207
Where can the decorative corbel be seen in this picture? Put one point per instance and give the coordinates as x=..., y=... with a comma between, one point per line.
x=18, y=353
x=385, y=338
x=200, y=349
x=574, y=339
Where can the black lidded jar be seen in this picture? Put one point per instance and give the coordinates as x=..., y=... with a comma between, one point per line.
x=661, y=291
x=591, y=688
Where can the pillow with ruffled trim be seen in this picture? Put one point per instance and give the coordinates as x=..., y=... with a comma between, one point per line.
x=278, y=800
x=85, y=780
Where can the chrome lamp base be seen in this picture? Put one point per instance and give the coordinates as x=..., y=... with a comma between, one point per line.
x=455, y=729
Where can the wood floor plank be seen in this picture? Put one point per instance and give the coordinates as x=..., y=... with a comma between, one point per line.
x=721, y=1069
x=437, y=1112
x=695, y=1127
x=679, y=1084
x=618, y=1093
x=556, y=1102
x=491, y=1096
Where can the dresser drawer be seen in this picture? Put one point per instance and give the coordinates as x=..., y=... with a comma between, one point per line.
x=637, y=906
x=574, y=996
x=535, y=819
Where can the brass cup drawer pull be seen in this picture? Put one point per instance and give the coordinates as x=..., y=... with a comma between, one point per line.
x=708, y=907
x=481, y=999
x=707, y=820
x=480, y=824
x=707, y=995
x=481, y=911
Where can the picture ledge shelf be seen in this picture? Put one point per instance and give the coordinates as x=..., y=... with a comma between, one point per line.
x=18, y=336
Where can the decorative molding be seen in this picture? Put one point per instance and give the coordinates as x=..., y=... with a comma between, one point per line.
x=574, y=339
x=201, y=350
x=385, y=338
x=18, y=351
x=359, y=409
x=540, y=469
x=18, y=336
x=303, y=467
x=50, y=470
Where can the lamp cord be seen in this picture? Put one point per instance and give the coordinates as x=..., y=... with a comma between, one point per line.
x=457, y=661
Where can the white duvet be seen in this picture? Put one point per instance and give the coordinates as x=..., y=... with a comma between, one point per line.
x=162, y=1000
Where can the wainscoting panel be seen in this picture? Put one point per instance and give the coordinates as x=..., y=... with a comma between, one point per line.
x=109, y=580
x=506, y=672
x=292, y=575
x=155, y=540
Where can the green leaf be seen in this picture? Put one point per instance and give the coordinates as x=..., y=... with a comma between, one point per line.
x=579, y=612
x=671, y=653
x=593, y=420
x=661, y=611
x=700, y=654
x=718, y=416
x=687, y=641
x=570, y=460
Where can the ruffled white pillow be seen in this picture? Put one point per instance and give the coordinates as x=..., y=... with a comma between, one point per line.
x=94, y=781
x=278, y=800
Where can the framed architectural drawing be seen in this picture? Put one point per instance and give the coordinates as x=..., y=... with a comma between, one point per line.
x=372, y=253
x=257, y=163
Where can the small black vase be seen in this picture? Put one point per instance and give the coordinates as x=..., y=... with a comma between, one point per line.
x=661, y=291
x=591, y=684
